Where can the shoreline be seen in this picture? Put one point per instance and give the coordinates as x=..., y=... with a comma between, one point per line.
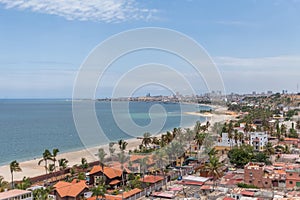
x=30, y=168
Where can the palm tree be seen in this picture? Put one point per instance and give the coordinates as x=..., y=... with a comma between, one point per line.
x=122, y=145
x=189, y=136
x=155, y=141
x=213, y=152
x=144, y=165
x=41, y=193
x=26, y=183
x=200, y=137
x=3, y=184
x=101, y=156
x=51, y=168
x=46, y=156
x=62, y=164
x=197, y=127
x=14, y=167
x=54, y=154
x=213, y=168
x=146, y=139
x=160, y=157
x=111, y=150
x=100, y=190
x=122, y=159
x=84, y=164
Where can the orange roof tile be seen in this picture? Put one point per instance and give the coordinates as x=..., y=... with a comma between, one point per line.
x=108, y=171
x=65, y=189
x=114, y=182
x=151, y=179
x=291, y=139
x=119, y=196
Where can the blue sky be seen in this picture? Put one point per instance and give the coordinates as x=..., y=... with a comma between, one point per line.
x=255, y=44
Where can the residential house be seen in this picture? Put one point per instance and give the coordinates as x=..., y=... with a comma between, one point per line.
x=16, y=195
x=112, y=176
x=70, y=191
x=281, y=175
x=258, y=140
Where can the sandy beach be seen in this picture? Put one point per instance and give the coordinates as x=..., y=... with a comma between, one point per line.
x=31, y=168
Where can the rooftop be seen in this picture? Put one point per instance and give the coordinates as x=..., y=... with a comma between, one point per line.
x=13, y=193
x=73, y=189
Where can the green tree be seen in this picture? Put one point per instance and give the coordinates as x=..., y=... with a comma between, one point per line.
x=268, y=149
x=24, y=184
x=3, y=184
x=146, y=140
x=161, y=161
x=122, y=145
x=101, y=156
x=122, y=159
x=54, y=155
x=262, y=158
x=41, y=193
x=62, y=164
x=200, y=137
x=46, y=156
x=84, y=164
x=14, y=166
x=111, y=150
x=144, y=165
x=241, y=156
x=213, y=167
x=99, y=191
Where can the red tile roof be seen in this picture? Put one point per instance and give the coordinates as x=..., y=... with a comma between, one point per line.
x=108, y=171
x=114, y=182
x=228, y=198
x=119, y=196
x=65, y=189
x=151, y=179
x=206, y=187
x=247, y=193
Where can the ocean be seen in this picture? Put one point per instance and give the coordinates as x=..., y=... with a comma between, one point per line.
x=28, y=127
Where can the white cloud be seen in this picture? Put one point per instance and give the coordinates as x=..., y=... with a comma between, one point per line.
x=283, y=61
x=109, y=11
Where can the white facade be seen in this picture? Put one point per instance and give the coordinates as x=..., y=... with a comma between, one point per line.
x=16, y=195
x=258, y=140
x=226, y=142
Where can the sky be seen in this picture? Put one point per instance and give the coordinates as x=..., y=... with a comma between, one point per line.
x=255, y=44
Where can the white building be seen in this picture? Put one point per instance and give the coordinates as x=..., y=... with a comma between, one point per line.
x=16, y=194
x=258, y=140
x=226, y=142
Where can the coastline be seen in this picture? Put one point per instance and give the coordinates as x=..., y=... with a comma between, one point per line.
x=31, y=168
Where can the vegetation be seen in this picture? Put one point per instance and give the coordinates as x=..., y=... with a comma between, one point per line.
x=240, y=156
x=14, y=167
x=244, y=185
x=99, y=191
x=3, y=184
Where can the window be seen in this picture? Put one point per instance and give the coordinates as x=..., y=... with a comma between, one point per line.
x=291, y=174
x=250, y=182
x=266, y=183
x=291, y=182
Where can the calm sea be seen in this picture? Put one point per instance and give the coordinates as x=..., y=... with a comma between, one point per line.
x=28, y=127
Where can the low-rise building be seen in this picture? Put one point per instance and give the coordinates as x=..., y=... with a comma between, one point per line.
x=70, y=191
x=258, y=140
x=16, y=194
x=279, y=175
